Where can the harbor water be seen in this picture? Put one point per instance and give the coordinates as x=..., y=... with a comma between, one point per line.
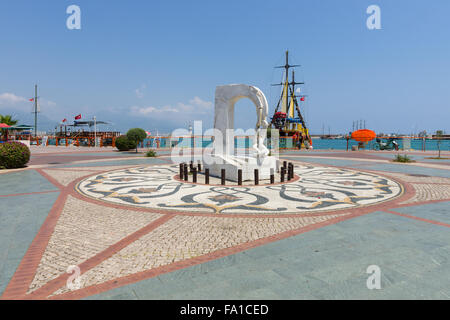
x=318, y=144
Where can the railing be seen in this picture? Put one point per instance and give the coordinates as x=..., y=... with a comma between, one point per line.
x=241, y=142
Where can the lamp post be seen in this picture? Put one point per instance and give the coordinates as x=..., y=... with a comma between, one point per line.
x=95, y=131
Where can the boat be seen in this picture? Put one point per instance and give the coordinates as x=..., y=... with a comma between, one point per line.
x=287, y=118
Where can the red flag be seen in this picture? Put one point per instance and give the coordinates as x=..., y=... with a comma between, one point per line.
x=302, y=99
x=32, y=99
x=64, y=120
x=78, y=117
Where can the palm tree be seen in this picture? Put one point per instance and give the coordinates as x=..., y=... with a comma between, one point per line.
x=7, y=119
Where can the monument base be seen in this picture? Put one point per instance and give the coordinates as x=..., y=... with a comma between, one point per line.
x=247, y=164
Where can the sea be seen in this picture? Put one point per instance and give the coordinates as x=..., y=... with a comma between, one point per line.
x=415, y=144
x=318, y=144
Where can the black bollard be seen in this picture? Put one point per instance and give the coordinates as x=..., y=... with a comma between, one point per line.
x=272, y=177
x=185, y=172
x=283, y=172
x=199, y=167
x=222, y=177
x=181, y=171
x=290, y=172
x=206, y=176
x=191, y=166
x=194, y=175
x=240, y=177
x=256, y=177
x=285, y=165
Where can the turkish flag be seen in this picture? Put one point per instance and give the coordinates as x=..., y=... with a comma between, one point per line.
x=78, y=117
x=64, y=120
x=302, y=99
x=32, y=99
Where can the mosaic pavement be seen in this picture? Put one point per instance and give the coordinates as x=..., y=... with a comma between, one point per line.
x=319, y=188
x=126, y=223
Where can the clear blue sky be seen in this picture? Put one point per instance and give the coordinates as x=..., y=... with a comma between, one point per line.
x=155, y=64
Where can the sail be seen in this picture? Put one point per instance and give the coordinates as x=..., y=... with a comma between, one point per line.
x=284, y=99
x=291, y=107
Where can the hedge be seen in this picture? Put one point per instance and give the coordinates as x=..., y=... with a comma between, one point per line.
x=13, y=155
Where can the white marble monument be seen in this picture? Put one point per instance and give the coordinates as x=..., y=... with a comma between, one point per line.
x=222, y=156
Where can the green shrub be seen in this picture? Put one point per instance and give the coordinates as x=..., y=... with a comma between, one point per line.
x=151, y=153
x=13, y=155
x=124, y=144
x=137, y=135
x=400, y=158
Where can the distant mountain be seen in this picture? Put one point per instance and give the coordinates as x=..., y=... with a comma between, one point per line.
x=44, y=123
x=119, y=120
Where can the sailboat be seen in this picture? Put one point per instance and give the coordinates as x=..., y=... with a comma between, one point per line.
x=287, y=117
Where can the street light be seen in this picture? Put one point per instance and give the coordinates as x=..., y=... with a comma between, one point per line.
x=95, y=131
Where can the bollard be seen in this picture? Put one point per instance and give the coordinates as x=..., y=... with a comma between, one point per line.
x=191, y=166
x=181, y=171
x=222, y=177
x=185, y=167
x=284, y=165
x=290, y=172
x=206, y=176
x=194, y=175
x=256, y=177
x=272, y=177
x=240, y=177
x=283, y=172
x=199, y=166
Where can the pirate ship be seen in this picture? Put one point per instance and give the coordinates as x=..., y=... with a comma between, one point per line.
x=287, y=118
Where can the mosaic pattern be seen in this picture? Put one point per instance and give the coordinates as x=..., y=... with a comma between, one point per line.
x=186, y=237
x=319, y=189
x=86, y=234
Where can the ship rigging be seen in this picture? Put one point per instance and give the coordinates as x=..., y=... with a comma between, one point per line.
x=287, y=117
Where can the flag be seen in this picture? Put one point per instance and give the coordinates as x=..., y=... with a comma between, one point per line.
x=302, y=99
x=64, y=120
x=78, y=117
x=32, y=99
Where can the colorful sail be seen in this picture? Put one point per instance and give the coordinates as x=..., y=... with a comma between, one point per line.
x=284, y=99
x=292, y=107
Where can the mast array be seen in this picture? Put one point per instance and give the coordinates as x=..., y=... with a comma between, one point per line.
x=288, y=118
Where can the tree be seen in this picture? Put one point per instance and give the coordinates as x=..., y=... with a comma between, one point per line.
x=137, y=135
x=7, y=119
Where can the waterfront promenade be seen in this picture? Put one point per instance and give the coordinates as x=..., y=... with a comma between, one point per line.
x=98, y=209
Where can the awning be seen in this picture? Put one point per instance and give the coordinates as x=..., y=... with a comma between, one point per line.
x=22, y=127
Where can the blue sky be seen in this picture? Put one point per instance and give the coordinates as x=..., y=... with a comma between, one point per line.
x=155, y=64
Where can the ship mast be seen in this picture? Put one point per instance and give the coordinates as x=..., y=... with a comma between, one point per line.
x=285, y=93
x=287, y=121
x=36, y=111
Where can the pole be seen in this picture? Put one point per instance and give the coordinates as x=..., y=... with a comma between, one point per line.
x=35, y=110
x=95, y=131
